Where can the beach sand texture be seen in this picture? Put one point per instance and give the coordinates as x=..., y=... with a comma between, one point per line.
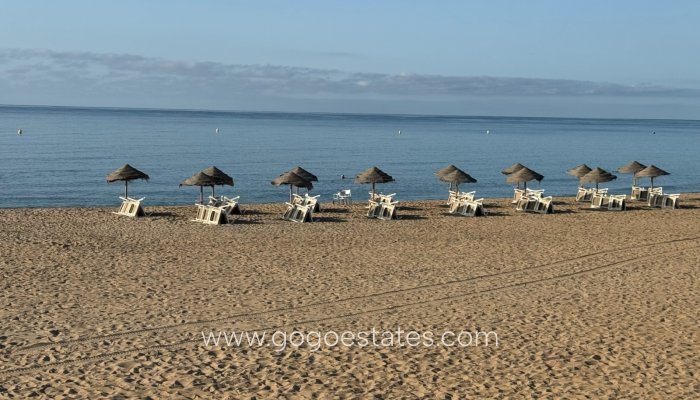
x=586, y=304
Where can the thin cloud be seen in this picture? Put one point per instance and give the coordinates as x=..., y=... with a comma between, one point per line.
x=123, y=72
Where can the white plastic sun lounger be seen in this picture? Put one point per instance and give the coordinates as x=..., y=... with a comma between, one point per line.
x=468, y=208
x=458, y=197
x=610, y=202
x=387, y=211
x=617, y=202
x=517, y=195
x=297, y=213
x=211, y=215
x=131, y=207
x=542, y=205
x=586, y=195
x=374, y=209
x=671, y=201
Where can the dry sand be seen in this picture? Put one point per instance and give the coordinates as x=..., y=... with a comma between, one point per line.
x=586, y=304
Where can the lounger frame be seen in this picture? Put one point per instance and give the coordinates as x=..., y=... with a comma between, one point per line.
x=131, y=207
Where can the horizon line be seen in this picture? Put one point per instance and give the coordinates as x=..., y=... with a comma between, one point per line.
x=331, y=113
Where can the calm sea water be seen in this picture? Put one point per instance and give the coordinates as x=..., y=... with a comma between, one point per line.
x=65, y=153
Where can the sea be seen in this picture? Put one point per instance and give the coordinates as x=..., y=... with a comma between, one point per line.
x=63, y=155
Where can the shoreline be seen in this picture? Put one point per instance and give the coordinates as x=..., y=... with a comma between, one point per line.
x=568, y=201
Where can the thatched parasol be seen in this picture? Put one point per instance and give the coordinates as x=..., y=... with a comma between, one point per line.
x=126, y=173
x=457, y=177
x=652, y=172
x=304, y=174
x=200, y=179
x=292, y=179
x=373, y=175
x=598, y=175
x=632, y=167
x=512, y=169
x=579, y=171
x=219, y=176
x=448, y=169
x=524, y=175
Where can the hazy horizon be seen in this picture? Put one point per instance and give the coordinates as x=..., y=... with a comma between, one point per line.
x=243, y=111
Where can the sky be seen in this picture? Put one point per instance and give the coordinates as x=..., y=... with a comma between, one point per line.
x=610, y=59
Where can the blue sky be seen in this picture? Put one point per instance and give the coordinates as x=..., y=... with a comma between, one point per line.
x=532, y=58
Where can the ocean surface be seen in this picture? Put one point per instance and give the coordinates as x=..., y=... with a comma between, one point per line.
x=65, y=153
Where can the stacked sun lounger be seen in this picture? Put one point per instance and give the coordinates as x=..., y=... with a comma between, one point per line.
x=301, y=208
x=309, y=201
x=533, y=201
x=658, y=199
x=218, y=211
x=298, y=213
x=610, y=202
x=586, y=195
x=645, y=194
x=382, y=206
x=463, y=203
x=131, y=207
x=458, y=196
x=231, y=204
x=520, y=193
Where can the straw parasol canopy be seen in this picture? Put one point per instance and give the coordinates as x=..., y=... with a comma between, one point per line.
x=448, y=169
x=373, y=175
x=598, y=175
x=292, y=179
x=200, y=179
x=652, y=172
x=512, y=169
x=126, y=173
x=524, y=175
x=457, y=177
x=219, y=176
x=632, y=167
x=579, y=171
x=304, y=174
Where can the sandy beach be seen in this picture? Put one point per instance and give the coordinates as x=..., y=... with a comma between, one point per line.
x=586, y=304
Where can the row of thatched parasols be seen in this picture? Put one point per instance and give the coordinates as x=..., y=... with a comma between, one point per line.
x=518, y=173
x=211, y=176
x=598, y=175
x=296, y=177
x=300, y=178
